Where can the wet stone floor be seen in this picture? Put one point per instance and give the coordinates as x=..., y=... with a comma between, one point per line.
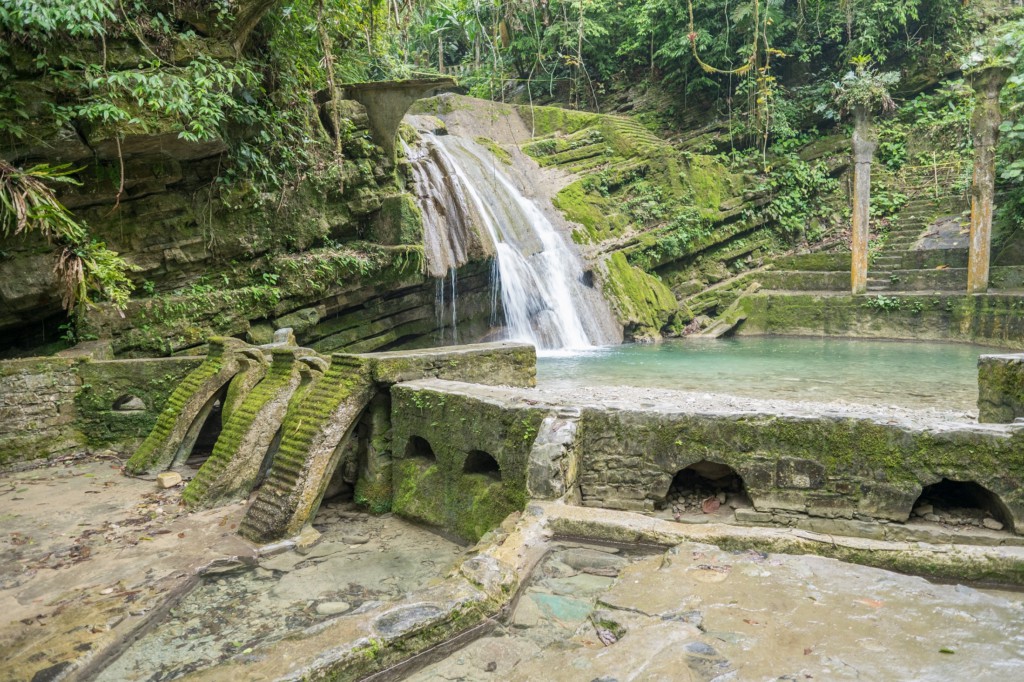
x=360, y=561
x=697, y=612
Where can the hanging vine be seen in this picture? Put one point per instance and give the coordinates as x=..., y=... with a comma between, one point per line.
x=328, y=61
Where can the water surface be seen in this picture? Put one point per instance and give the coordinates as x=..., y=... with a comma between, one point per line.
x=908, y=374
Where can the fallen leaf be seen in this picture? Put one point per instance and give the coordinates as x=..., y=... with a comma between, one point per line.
x=807, y=651
x=710, y=505
x=873, y=603
x=181, y=535
x=946, y=650
x=942, y=267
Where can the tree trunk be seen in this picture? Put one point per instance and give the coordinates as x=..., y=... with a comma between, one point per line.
x=864, y=145
x=248, y=14
x=440, y=55
x=986, y=83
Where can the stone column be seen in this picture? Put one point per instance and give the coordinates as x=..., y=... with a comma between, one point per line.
x=986, y=83
x=864, y=145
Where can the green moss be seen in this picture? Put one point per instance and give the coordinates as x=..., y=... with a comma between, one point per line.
x=398, y=222
x=493, y=147
x=158, y=447
x=439, y=492
x=864, y=466
x=599, y=215
x=152, y=381
x=711, y=183
x=992, y=319
x=643, y=304
x=1000, y=390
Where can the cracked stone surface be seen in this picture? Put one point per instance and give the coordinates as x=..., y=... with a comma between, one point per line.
x=700, y=613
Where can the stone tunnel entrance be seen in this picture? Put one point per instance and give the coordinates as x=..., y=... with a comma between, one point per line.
x=419, y=447
x=204, y=432
x=482, y=463
x=962, y=503
x=705, y=487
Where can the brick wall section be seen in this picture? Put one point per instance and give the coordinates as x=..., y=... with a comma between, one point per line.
x=37, y=412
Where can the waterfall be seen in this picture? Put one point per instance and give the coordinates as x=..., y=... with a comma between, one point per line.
x=543, y=295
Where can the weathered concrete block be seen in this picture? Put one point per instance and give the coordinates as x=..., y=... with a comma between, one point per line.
x=1000, y=388
x=441, y=432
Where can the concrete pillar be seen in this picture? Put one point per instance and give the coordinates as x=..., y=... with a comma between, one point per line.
x=987, y=83
x=863, y=152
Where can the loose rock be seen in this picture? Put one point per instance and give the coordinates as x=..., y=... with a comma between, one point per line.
x=168, y=479
x=332, y=608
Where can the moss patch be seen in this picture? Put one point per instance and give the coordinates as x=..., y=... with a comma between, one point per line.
x=103, y=383
x=439, y=492
x=643, y=303
x=494, y=148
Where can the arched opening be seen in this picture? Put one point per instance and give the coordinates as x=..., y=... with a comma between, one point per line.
x=419, y=447
x=128, y=403
x=962, y=503
x=705, y=487
x=197, y=445
x=480, y=462
x=208, y=436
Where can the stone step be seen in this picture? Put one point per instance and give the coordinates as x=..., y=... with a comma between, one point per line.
x=949, y=279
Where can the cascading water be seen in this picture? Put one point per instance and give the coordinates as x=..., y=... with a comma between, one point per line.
x=543, y=295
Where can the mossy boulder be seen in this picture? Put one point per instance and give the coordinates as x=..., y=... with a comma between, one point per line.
x=643, y=303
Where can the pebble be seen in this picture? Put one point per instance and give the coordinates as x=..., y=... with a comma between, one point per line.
x=332, y=608
x=992, y=524
x=931, y=517
x=924, y=509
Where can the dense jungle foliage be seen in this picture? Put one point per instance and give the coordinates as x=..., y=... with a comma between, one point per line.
x=775, y=74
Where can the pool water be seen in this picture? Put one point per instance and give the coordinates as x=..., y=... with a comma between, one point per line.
x=907, y=374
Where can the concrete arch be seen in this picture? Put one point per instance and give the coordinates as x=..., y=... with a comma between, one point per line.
x=705, y=475
x=248, y=434
x=967, y=494
x=314, y=433
x=482, y=463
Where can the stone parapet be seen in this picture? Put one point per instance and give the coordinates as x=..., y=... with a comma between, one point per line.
x=1000, y=388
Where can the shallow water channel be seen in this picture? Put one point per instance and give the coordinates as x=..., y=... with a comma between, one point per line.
x=907, y=374
x=361, y=561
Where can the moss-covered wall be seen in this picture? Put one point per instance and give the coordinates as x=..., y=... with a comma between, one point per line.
x=642, y=302
x=55, y=406
x=437, y=491
x=991, y=319
x=848, y=467
x=1000, y=388
x=824, y=466
x=104, y=382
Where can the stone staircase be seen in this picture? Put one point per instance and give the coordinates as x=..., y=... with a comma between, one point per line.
x=899, y=267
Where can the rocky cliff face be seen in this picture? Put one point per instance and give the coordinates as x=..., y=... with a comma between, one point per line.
x=333, y=250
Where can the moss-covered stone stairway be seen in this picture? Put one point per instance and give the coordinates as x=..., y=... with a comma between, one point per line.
x=289, y=424
x=904, y=264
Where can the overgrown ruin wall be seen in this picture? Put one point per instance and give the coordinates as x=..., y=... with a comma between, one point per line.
x=51, y=407
x=993, y=319
x=835, y=467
